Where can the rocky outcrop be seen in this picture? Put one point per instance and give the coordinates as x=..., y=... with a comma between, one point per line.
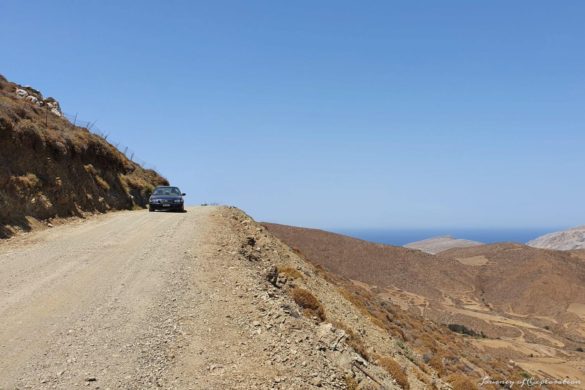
x=564, y=240
x=439, y=244
x=34, y=97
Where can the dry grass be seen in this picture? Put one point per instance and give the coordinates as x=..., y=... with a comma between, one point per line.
x=137, y=181
x=461, y=382
x=426, y=338
x=102, y=183
x=89, y=168
x=28, y=181
x=437, y=363
x=350, y=383
x=395, y=370
x=290, y=272
x=429, y=345
x=353, y=340
x=420, y=375
x=307, y=301
x=361, y=302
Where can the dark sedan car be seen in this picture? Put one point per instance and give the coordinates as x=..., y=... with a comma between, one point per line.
x=166, y=198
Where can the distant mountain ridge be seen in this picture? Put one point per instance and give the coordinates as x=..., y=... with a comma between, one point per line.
x=439, y=244
x=564, y=240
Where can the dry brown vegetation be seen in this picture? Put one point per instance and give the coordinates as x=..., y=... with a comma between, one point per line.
x=290, y=272
x=445, y=352
x=374, y=264
x=430, y=346
x=353, y=340
x=395, y=370
x=51, y=168
x=537, y=282
x=460, y=382
x=350, y=383
x=308, y=302
x=530, y=297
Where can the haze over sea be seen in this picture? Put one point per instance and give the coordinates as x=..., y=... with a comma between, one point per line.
x=404, y=236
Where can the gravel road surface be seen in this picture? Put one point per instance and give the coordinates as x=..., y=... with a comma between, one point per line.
x=96, y=303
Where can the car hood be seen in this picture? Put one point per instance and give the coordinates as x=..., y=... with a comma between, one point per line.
x=165, y=197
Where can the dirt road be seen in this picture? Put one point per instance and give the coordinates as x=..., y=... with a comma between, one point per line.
x=134, y=300
x=82, y=304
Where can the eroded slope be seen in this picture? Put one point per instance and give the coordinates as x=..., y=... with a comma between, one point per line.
x=50, y=168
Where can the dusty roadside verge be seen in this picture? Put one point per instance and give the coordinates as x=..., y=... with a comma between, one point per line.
x=145, y=300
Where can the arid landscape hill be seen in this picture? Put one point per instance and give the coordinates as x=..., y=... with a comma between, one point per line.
x=528, y=304
x=525, y=280
x=435, y=245
x=564, y=240
x=51, y=168
x=377, y=264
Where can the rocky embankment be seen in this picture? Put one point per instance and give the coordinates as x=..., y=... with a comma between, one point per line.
x=50, y=168
x=298, y=328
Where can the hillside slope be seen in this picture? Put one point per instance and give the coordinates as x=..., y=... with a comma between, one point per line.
x=525, y=280
x=50, y=168
x=564, y=240
x=520, y=303
x=377, y=264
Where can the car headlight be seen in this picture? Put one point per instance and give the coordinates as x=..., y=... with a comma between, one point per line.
x=178, y=200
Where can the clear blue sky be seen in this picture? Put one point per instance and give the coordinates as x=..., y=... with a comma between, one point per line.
x=333, y=114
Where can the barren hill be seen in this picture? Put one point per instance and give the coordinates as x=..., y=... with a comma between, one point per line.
x=435, y=245
x=51, y=168
x=564, y=240
x=376, y=264
x=529, y=304
x=545, y=286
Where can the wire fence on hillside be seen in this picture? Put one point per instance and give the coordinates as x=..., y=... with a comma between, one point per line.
x=91, y=126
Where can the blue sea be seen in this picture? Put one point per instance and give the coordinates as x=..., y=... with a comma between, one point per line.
x=401, y=237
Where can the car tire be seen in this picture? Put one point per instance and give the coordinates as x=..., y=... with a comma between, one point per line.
x=150, y=209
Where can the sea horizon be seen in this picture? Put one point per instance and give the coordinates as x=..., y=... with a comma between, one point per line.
x=399, y=237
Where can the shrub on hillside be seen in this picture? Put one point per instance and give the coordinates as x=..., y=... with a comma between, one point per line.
x=6, y=122
x=353, y=340
x=307, y=301
x=395, y=370
x=436, y=362
x=350, y=383
x=460, y=382
x=25, y=182
x=290, y=272
x=458, y=328
x=29, y=133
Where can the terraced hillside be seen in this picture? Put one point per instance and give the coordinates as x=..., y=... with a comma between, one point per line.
x=518, y=303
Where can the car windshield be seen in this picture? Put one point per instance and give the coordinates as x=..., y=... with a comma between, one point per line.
x=167, y=191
